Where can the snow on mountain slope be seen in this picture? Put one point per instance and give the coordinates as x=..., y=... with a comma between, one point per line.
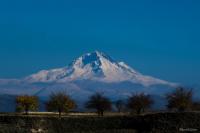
x=95, y=66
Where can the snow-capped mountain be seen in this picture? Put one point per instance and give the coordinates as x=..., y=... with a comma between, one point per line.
x=95, y=66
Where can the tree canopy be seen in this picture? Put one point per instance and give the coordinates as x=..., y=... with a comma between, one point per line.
x=139, y=102
x=26, y=103
x=100, y=103
x=180, y=99
x=60, y=102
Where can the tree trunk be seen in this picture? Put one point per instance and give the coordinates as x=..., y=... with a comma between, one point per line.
x=98, y=112
x=119, y=110
x=102, y=113
x=59, y=113
x=139, y=111
x=26, y=110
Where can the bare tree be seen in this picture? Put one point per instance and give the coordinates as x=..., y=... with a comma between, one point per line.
x=60, y=102
x=100, y=103
x=180, y=99
x=139, y=102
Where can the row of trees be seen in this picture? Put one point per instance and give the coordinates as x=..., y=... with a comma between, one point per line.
x=181, y=100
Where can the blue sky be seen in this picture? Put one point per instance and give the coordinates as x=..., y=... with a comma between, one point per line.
x=156, y=37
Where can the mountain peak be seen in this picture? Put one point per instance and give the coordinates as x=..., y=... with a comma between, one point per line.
x=98, y=53
x=95, y=59
x=95, y=56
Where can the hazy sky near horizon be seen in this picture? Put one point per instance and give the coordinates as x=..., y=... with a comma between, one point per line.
x=160, y=38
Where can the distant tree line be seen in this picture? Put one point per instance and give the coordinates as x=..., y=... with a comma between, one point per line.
x=181, y=99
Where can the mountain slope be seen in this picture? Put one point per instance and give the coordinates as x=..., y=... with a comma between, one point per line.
x=95, y=66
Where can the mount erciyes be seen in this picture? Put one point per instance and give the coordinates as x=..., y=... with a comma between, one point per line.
x=90, y=73
x=95, y=66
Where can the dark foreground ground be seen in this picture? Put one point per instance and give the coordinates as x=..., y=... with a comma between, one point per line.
x=150, y=123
